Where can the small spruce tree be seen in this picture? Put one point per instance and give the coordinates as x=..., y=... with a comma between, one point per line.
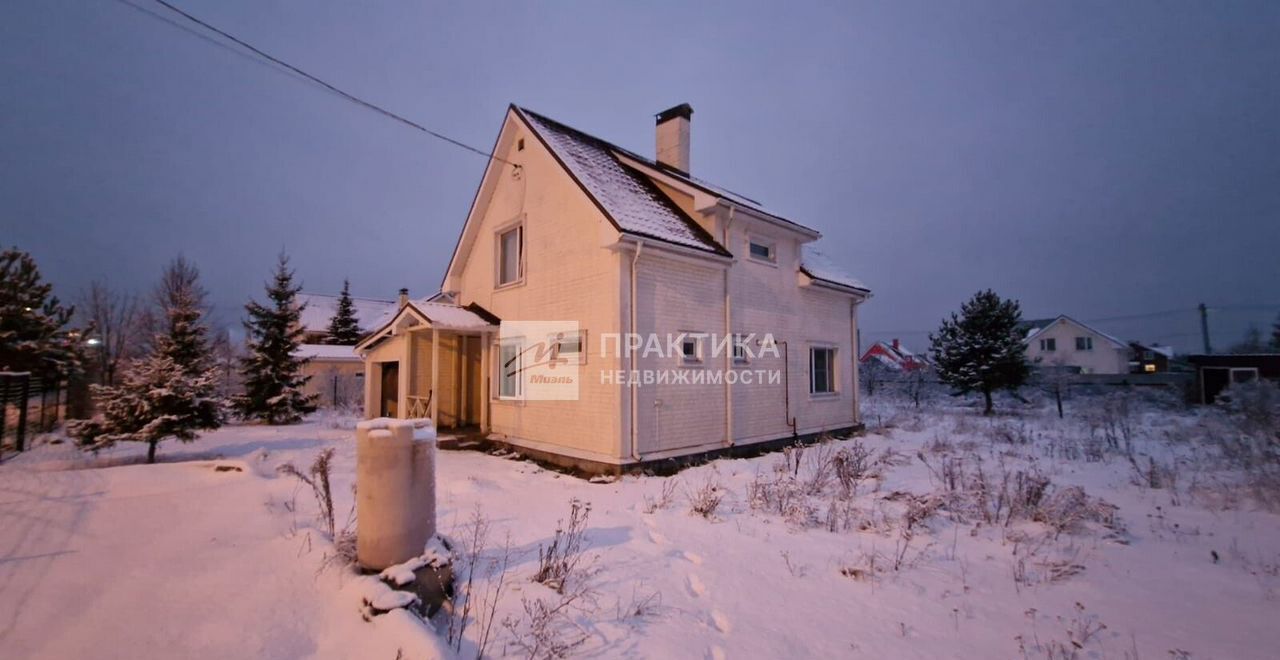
x=272, y=371
x=34, y=335
x=173, y=391
x=1251, y=343
x=981, y=349
x=344, y=327
x=1275, y=335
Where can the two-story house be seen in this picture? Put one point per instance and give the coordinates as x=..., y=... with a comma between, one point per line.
x=1064, y=342
x=567, y=226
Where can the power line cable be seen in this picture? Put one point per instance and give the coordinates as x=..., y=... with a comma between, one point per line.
x=326, y=85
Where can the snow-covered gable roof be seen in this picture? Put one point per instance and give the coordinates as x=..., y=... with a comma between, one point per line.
x=628, y=198
x=1033, y=331
x=321, y=307
x=816, y=264
x=446, y=316
x=326, y=352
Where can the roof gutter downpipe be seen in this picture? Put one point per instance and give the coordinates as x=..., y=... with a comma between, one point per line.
x=631, y=360
x=728, y=331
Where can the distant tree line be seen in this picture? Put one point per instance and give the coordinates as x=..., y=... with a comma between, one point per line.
x=158, y=369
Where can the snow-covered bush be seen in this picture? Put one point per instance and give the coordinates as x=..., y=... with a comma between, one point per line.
x=706, y=498
x=561, y=561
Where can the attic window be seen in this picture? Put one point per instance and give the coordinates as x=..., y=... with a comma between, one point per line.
x=520, y=144
x=761, y=250
x=1084, y=343
x=1049, y=344
x=511, y=256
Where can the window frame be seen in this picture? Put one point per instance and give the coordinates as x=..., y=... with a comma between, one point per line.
x=832, y=374
x=1084, y=343
x=739, y=342
x=499, y=261
x=699, y=357
x=1049, y=345
x=500, y=392
x=580, y=357
x=770, y=244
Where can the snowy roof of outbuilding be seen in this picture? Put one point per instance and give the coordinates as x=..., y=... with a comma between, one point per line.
x=321, y=307
x=326, y=352
x=628, y=198
x=816, y=264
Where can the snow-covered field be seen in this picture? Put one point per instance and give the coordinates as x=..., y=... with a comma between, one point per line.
x=103, y=558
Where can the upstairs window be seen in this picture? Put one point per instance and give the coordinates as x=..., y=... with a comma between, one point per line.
x=511, y=256
x=1049, y=344
x=822, y=375
x=761, y=250
x=1084, y=343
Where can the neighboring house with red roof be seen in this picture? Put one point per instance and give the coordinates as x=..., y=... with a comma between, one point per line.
x=1065, y=342
x=894, y=356
x=566, y=226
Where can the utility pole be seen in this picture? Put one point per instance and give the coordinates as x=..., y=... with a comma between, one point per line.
x=1204, y=328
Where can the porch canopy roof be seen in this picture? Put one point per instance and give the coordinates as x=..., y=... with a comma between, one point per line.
x=439, y=315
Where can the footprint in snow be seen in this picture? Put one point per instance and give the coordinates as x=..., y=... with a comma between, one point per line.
x=716, y=653
x=657, y=537
x=692, y=558
x=720, y=621
x=696, y=587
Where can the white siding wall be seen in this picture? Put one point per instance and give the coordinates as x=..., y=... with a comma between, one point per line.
x=568, y=276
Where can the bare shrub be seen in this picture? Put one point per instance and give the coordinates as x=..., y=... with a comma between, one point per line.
x=1013, y=433
x=1069, y=508
x=1155, y=474
x=559, y=562
x=318, y=479
x=665, y=497
x=548, y=628
x=819, y=466
x=641, y=606
x=852, y=464
x=467, y=560
x=706, y=498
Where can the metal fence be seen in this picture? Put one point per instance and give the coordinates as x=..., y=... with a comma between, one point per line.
x=29, y=405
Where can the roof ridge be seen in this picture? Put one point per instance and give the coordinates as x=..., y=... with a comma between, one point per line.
x=709, y=186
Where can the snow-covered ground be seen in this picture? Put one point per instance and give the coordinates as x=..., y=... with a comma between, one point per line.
x=103, y=558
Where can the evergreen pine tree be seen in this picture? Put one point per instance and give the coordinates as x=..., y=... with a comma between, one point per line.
x=344, y=327
x=171, y=393
x=272, y=371
x=182, y=334
x=33, y=324
x=981, y=350
x=1252, y=342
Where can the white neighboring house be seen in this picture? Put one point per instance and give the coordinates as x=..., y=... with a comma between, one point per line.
x=568, y=227
x=337, y=372
x=1066, y=342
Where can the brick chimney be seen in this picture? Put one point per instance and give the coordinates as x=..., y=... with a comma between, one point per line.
x=673, y=136
x=896, y=346
x=404, y=298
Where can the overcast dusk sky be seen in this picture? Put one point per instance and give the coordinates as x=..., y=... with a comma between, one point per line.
x=1098, y=159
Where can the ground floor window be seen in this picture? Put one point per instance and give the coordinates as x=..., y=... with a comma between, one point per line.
x=822, y=362
x=510, y=368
